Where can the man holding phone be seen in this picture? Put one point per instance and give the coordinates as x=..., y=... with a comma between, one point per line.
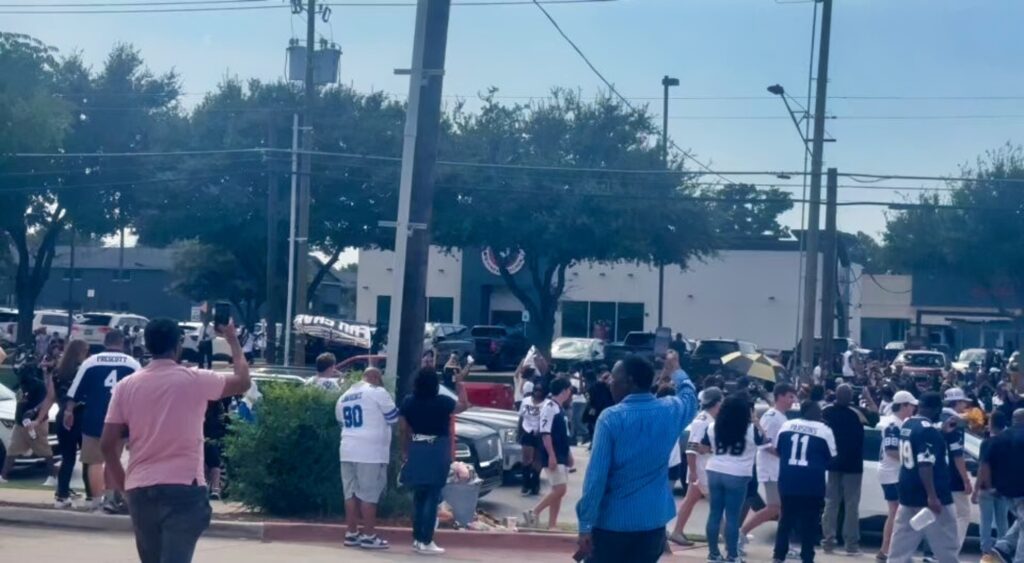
x=162, y=408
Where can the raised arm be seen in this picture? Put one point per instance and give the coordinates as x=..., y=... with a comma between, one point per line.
x=239, y=381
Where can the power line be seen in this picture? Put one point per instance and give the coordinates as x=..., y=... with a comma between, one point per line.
x=228, y=6
x=124, y=4
x=610, y=86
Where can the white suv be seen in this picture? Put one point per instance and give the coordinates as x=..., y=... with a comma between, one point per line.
x=93, y=327
x=8, y=325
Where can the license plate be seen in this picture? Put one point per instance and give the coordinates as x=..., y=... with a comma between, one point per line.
x=88, y=332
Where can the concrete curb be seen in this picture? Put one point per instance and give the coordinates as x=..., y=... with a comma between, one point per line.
x=294, y=532
x=48, y=517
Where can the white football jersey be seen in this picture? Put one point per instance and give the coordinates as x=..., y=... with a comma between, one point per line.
x=366, y=413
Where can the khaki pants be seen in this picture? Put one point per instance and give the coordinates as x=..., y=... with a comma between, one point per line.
x=941, y=535
x=842, y=488
x=23, y=444
x=962, y=507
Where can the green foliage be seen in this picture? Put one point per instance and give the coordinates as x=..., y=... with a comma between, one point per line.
x=746, y=212
x=205, y=272
x=559, y=218
x=286, y=463
x=975, y=230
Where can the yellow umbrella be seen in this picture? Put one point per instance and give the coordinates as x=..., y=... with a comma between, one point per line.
x=753, y=365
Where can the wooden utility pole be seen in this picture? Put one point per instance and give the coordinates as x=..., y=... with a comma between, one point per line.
x=828, y=273
x=416, y=193
x=273, y=284
x=814, y=207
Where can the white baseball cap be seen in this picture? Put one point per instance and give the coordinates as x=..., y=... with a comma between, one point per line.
x=904, y=398
x=954, y=395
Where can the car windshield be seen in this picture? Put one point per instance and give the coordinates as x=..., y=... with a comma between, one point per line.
x=715, y=348
x=6, y=317
x=570, y=347
x=639, y=339
x=924, y=360
x=968, y=356
x=91, y=319
x=6, y=394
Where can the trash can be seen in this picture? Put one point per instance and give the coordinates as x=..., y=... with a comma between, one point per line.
x=462, y=497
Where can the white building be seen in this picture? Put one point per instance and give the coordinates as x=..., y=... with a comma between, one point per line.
x=747, y=294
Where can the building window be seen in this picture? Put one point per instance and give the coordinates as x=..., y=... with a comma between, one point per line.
x=440, y=309
x=122, y=276
x=576, y=319
x=601, y=319
x=383, y=310
x=66, y=275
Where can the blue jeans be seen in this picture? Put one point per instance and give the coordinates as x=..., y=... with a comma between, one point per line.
x=727, y=495
x=425, y=499
x=994, y=510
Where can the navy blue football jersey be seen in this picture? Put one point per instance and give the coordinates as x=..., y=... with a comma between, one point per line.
x=94, y=383
x=922, y=442
x=805, y=449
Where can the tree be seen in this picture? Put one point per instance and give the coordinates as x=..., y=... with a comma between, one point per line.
x=746, y=212
x=203, y=272
x=866, y=251
x=558, y=218
x=973, y=230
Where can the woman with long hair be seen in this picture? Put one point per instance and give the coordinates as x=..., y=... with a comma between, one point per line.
x=68, y=439
x=426, y=422
x=733, y=439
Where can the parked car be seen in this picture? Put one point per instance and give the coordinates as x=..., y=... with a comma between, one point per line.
x=706, y=358
x=506, y=424
x=497, y=347
x=893, y=349
x=8, y=325
x=567, y=353
x=8, y=406
x=445, y=338
x=190, y=344
x=980, y=357
x=639, y=343
x=93, y=327
x=921, y=362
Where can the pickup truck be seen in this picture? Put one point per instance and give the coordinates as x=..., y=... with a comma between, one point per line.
x=497, y=347
x=639, y=343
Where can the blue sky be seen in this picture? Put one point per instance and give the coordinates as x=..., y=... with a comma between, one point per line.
x=718, y=48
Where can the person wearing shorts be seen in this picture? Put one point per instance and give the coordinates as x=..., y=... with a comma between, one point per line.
x=696, y=459
x=767, y=465
x=902, y=407
x=366, y=413
x=529, y=436
x=554, y=432
x=37, y=394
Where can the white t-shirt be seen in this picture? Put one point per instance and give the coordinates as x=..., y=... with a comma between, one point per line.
x=731, y=461
x=848, y=364
x=676, y=456
x=530, y=412
x=366, y=413
x=768, y=464
x=548, y=410
x=888, y=467
x=698, y=429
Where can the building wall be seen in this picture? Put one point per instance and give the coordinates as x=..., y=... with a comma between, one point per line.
x=376, y=278
x=750, y=295
x=145, y=293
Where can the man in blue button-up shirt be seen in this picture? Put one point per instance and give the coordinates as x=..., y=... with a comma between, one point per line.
x=627, y=499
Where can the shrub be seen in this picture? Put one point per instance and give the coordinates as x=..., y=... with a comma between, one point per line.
x=286, y=462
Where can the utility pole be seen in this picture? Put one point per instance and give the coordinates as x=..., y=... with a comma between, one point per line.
x=289, y=312
x=273, y=249
x=666, y=82
x=416, y=193
x=828, y=273
x=814, y=207
x=302, y=238
x=71, y=284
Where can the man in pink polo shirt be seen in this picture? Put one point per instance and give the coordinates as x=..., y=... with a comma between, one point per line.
x=162, y=409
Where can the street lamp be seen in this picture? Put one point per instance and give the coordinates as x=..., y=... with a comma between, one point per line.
x=666, y=82
x=778, y=90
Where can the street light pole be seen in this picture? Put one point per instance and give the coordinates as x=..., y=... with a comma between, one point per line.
x=666, y=83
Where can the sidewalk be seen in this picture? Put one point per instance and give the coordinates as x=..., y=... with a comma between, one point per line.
x=27, y=513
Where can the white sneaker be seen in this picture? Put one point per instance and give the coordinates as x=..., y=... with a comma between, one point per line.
x=51, y=481
x=429, y=549
x=63, y=503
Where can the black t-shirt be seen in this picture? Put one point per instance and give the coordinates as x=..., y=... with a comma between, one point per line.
x=33, y=393
x=847, y=426
x=1005, y=457
x=955, y=443
x=430, y=417
x=922, y=442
